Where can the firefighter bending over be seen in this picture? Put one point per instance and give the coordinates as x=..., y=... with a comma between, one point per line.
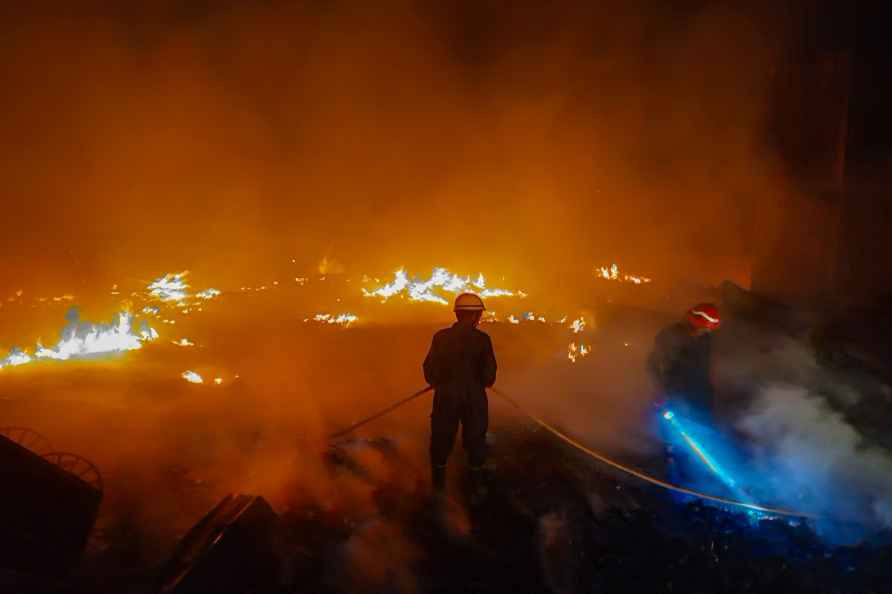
x=681, y=360
x=460, y=366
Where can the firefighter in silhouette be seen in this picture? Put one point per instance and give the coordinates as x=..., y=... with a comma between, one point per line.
x=680, y=364
x=681, y=361
x=460, y=366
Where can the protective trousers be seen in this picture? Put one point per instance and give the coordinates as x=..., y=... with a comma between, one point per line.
x=471, y=410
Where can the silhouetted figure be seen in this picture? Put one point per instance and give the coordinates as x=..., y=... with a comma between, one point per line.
x=681, y=360
x=680, y=364
x=460, y=366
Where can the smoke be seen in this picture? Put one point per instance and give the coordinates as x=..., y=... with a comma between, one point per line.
x=802, y=435
x=605, y=399
x=810, y=445
x=239, y=137
x=378, y=557
x=813, y=456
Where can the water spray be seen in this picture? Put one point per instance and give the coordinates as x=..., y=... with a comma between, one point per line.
x=698, y=449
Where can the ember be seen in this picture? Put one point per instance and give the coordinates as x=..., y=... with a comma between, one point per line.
x=192, y=377
x=612, y=273
x=575, y=352
x=345, y=319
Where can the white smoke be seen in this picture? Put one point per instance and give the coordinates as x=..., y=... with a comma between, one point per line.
x=749, y=359
x=815, y=457
x=806, y=451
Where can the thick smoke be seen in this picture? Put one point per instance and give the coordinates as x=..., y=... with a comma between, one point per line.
x=233, y=137
x=813, y=456
x=804, y=436
x=606, y=399
x=811, y=446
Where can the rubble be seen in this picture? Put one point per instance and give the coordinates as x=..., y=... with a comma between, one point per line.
x=554, y=521
x=49, y=505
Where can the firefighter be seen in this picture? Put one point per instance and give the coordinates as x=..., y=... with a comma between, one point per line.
x=460, y=366
x=680, y=365
x=681, y=360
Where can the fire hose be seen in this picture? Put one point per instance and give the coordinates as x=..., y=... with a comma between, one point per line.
x=380, y=413
x=592, y=454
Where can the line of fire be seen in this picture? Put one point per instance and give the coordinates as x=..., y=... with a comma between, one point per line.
x=338, y=296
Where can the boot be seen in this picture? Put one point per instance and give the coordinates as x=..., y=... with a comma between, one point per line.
x=438, y=478
x=479, y=490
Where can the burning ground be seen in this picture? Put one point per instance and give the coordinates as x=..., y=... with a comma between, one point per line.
x=301, y=358
x=288, y=374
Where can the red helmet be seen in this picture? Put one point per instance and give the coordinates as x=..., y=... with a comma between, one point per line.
x=704, y=315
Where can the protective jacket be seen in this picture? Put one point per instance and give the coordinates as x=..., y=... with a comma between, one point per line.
x=680, y=364
x=460, y=366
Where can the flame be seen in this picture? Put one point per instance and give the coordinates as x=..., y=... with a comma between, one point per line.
x=171, y=293
x=575, y=351
x=424, y=290
x=81, y=339
x=192, y=377
x=483, y=291
x=170, y=287
x=344, y=319
x=84, y=339
x=490, y=317
x=16, y=357
x=613, y=273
